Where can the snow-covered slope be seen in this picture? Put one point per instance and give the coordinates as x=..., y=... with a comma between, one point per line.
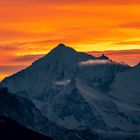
x=73, y=90
x=70, y=109
x=82, y=106
x=126, y=86
x=109, y=108
x=25, y=113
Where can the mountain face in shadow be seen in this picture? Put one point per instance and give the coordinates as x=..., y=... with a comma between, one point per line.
x=75, y=95
x=10, y=129
x=26, y=114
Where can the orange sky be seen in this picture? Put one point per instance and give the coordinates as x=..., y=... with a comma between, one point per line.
x=31, y=28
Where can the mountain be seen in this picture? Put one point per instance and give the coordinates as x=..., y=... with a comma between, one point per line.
x=126, y=86
x=12, y=107
x=77, y=91
x=24, y=112
x=58, y=68
x=10, y=129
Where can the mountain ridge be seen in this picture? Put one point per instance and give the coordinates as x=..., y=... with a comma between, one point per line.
x=77, y=91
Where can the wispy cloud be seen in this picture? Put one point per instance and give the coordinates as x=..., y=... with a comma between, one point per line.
x=129, y=42
x=130, y=25
x=94, y=62
x=62, y=82
x=6, y=70
x=27, y=58
x=10, y=69
x=74, y=1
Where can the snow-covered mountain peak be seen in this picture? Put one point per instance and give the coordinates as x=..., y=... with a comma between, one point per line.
x=68, y=56
x=64, y=54
x=57, y=68
x=61, y=48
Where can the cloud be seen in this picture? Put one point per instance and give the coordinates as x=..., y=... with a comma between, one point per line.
x=12, y=47
x=129, y=43
x=27, y=58
x=73, y=1
x=131, y=57
x=41, y=45
x=94, y=62
x=10, y=69
x=15, y=34
x=62, y=83
x=6, y=70
x=130, y=25
x=124, y=52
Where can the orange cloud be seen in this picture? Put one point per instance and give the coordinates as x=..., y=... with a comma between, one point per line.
x=129, y=43
x=131, y=57
x=72, y=1
x=31, y=28
x=9, y=70
x=131, y=25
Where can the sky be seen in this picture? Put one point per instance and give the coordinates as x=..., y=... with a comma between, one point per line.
x=31, y=28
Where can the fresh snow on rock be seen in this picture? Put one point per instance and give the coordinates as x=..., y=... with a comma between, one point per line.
x=126, y=86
